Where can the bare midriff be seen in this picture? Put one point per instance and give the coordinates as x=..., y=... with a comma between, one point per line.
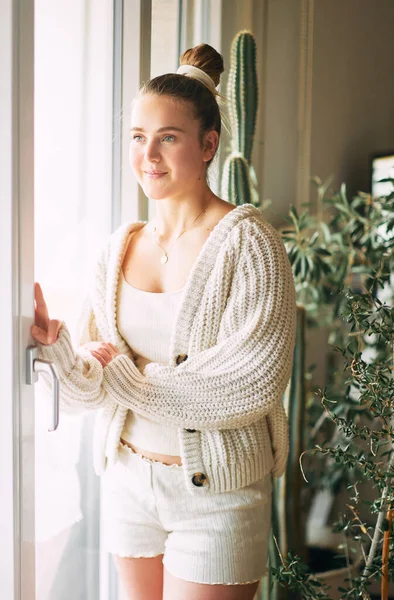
x=166, y=459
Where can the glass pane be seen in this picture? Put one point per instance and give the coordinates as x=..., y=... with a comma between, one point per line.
x=165, y=42
x=73, y=129
x=165, y=37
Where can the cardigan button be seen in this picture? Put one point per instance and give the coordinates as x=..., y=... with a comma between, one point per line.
x=191, y=430
x=181, y=358
x=199, y=479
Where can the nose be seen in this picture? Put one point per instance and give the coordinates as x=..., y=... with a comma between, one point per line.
x=152, y=153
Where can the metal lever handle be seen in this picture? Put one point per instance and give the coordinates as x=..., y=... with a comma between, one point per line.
x=33, y=366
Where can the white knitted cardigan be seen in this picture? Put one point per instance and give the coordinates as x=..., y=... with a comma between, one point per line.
x=230, y=358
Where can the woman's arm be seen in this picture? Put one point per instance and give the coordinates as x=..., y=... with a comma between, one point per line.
x=80, y=371
x=244, y=375
x=231, y=384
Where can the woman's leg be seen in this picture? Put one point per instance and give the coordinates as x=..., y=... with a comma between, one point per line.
x=179, y=589
x=142, y=578
x=132, y=532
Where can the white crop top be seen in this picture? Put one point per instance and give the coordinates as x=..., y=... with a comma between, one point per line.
x=145, y=321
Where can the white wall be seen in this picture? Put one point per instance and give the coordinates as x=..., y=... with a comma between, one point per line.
x=275, y=24
x=326, y=91
x=353, y=88
x=326, y=99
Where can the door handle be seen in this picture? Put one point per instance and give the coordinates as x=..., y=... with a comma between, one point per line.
x=33, y=366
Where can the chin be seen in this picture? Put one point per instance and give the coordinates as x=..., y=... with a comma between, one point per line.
x=154, y=195
x=156, y=192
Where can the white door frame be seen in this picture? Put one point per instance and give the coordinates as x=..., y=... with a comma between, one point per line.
x=17, y=572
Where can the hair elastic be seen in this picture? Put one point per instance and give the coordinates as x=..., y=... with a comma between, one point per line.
x=204, y=78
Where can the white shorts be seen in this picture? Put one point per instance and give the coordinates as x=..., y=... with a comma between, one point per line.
x=219, y=538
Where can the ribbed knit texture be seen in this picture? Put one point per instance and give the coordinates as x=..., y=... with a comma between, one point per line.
x=236, y=324
x=215, y=539
x=145, y=321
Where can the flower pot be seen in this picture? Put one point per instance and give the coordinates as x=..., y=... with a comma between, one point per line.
x=328, y=563
x=336, y=578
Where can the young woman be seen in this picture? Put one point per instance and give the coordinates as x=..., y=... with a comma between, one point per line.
x=187, y=351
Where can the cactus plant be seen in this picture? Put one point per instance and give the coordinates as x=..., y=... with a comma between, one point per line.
x=292, y=535
x=239, y=180
x=237, y=176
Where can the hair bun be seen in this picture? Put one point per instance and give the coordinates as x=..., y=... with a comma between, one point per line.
x=206, y=58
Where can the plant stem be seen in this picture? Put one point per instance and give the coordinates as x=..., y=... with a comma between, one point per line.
x=385, y=557
x=378, y=528
x=346, y=548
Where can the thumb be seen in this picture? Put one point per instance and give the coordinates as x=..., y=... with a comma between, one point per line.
x=39, y=335
x=53, y=330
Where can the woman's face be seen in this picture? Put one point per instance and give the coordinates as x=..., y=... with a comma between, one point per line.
x=165, y=154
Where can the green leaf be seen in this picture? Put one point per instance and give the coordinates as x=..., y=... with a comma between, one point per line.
x=323, y=252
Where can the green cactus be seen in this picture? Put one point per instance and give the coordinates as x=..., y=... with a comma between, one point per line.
x=237, y=177
x=290, y=485
x=242, y=91
x=239, y=180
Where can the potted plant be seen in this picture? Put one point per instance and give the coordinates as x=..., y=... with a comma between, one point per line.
x=342, y=262
x=342, y=259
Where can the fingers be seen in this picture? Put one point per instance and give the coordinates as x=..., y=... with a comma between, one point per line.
x=102, y=355
x=46, y=337
x=115, y=351
x=98, y=356
x=37, y=334
x=103, y=351
x=53, y=330
x=40, y=307
x=40, y=335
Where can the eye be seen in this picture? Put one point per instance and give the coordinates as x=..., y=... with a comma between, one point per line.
x=137, y=138
x=169, y=138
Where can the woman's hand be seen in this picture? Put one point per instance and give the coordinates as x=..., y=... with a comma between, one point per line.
x=44, y=330
x=103, y=351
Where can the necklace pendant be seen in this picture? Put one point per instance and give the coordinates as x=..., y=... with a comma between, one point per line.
x=164, y=259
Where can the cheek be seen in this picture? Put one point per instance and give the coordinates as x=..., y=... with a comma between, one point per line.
x=134, y=156
x=189, y=161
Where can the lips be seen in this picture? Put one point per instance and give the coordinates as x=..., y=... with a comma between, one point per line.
x=155, y=174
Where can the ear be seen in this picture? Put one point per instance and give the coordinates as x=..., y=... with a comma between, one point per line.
x=210, y=144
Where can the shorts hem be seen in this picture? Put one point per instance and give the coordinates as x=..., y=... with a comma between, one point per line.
x=128, y=555
x=215, y=582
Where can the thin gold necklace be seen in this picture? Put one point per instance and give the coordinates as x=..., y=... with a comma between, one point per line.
x=164, y=258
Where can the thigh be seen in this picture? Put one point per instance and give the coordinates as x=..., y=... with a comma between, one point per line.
x=179, y=589
x=142, y=578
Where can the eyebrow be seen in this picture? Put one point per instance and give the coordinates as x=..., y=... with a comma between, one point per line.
x=169, y=128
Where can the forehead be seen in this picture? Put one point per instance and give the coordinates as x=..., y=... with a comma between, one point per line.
x=154, y=112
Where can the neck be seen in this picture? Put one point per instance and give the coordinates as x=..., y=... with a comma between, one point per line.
x=176, y=215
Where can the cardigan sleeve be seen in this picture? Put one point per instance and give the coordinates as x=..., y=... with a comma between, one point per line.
x=81, y=375
x=244, y=375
